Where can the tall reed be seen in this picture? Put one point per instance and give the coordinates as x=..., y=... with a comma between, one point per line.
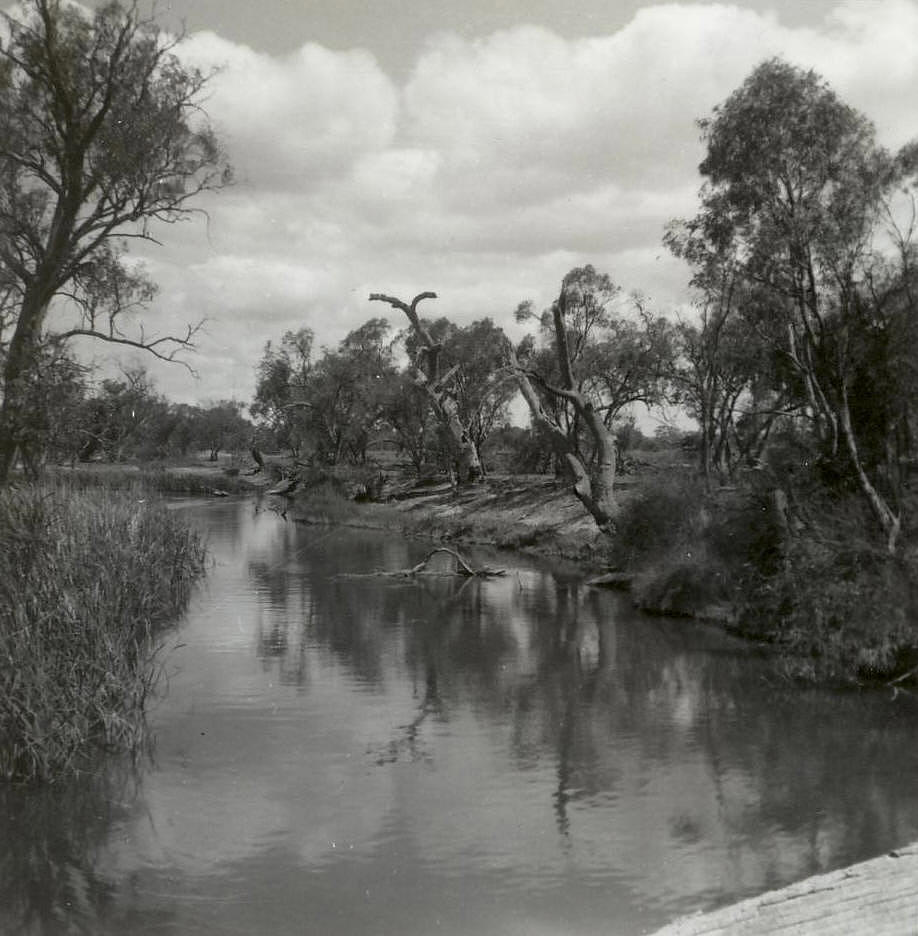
x=88, y=579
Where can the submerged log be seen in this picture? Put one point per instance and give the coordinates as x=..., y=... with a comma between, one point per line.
x=285, y=487
x=621, y=580
x=462, y=568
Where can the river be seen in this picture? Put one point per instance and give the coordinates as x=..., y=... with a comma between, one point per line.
x=343, y=753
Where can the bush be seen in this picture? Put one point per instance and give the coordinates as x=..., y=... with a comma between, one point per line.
x=88, y=579
x=843, y=610
x=664, y=514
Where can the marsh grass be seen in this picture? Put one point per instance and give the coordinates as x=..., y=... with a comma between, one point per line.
x=88, y=580
x=161, y=479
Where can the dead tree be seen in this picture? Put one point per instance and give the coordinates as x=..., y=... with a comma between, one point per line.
x=436, y=386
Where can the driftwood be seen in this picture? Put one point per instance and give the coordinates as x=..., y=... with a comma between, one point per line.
x=462, y=568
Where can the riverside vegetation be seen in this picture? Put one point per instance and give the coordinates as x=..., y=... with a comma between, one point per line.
x=89, y=580
x=794, y=523
x=800, y=576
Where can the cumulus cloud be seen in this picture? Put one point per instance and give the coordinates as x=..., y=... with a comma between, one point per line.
x=502, y=162
x=289, y=121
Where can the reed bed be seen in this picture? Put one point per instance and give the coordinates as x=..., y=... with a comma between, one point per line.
x=88, y=581
x=164, y=480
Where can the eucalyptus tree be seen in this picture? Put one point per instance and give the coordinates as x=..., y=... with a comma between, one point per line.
x=408, y=413
x=221, y=427
x=481, y=387
x=281, y=385
x=594, y=364
x=345, y=399
x=102, y=133
x=797, y=192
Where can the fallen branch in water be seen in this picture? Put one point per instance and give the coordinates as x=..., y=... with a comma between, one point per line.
x=462, y=568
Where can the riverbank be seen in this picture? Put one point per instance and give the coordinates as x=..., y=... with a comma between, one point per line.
x=877, y=897
x=833, y=605
x=800, y=574
x=88, y=580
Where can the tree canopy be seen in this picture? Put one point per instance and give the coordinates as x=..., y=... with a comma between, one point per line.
x=795, y=255
x=101, y=135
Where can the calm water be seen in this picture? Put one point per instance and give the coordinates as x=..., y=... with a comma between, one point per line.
x=526, y=755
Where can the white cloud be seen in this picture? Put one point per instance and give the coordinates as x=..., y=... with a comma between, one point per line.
x=503, y=162
x=291, y=120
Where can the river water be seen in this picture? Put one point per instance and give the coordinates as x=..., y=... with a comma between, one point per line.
x=339, y=753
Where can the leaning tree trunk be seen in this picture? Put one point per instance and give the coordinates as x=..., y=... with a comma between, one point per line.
x=594, y=489
x=434, y=384
x=890, y=522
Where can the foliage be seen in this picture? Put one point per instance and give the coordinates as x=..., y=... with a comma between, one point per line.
x=219, y=427
x=408, y=412
x=121, y=417
x=515, y=450
x=331, y=406
x=839, y=608
x=347, y=393
x=282, y=379
x=593, y=364
x=801, y=303
x=88, y=580
x=478, y=384
x=56, y=399
x=102, y=134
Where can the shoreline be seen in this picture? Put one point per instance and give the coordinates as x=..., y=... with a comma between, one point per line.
x=832, y=625
x=876, y=896
x=539, y=516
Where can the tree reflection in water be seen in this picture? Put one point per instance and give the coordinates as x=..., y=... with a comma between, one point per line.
x=667, y=714
x=528, y=742
x=56, y=838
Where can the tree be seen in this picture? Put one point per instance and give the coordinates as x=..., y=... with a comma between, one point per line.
x=221, y=426
x=409, y=415
x=56, y=397
x=480, y=385
x=596, y=364
x=101, y=134
x=346, y=395
x=723, y=373
x=121, y=417
x=797, y=190
x=282, y=379
x=333, y=404
x=436, y=384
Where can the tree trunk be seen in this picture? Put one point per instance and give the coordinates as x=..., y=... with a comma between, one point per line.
x=593, y=490
x=19, y=361
x=468, y=464
x=890, y=523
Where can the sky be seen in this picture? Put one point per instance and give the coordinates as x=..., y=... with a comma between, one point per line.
x=480, y=149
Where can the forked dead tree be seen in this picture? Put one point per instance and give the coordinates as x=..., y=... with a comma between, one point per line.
x=436, y=385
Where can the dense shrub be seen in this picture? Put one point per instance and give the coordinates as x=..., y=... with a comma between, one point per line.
x=665, y=513
x=843, y=609
x=796, y=566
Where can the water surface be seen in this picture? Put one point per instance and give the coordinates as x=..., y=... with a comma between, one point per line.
x=341, y=753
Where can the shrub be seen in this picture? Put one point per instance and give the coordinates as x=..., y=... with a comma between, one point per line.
x=663, y=514
x=838, y=604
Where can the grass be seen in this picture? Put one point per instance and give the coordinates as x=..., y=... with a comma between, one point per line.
x=88, y=580
x=164, y=480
